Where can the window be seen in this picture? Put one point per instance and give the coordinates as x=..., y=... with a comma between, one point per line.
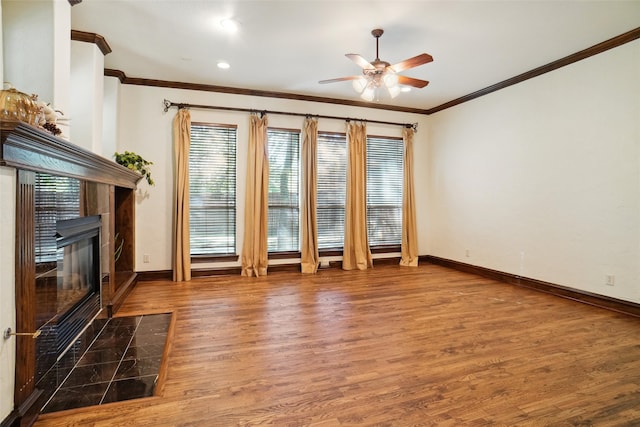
x=384, y=190
x=284, y=190
x=57, y=198
x=331, y=190
x=212, y=187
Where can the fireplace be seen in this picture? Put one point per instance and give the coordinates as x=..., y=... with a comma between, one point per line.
x=83, y=184
x=67, y=288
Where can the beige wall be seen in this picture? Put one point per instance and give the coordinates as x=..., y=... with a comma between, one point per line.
x=7, y=288
x=7, y=274
x=110, y=116
x=87, y=95
x=146, y=129
x=542, y=179
x=38, y=30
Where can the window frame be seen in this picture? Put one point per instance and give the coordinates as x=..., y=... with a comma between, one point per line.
x=334, y=250
x=283, y=254
x=395, y=247
x=221, y=257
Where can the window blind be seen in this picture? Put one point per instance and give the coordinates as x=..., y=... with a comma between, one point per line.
x=331, y=189
x=57, y=198
x=384, y=190
x=212, y=189
x=284, y=190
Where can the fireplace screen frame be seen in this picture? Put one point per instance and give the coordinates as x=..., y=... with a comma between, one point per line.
x=77, y=230
x=61, y=329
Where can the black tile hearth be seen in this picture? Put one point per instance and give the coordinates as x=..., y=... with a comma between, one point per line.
x=114, y=359
x=130, y=388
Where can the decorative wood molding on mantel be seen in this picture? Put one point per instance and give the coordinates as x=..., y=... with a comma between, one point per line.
x=26, y=147
x=97, y=39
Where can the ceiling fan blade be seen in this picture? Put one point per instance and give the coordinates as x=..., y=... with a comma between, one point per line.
x=423, y=58
x=339, y=79
x=410, y=81
x=360, y=61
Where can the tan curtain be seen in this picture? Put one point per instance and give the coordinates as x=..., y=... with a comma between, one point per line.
x=254, y=248
x=356, y=253
x=409, y=248
x=310, y=256
x=181, y=246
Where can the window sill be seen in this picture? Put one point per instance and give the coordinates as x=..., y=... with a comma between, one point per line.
x=201, y=259
x=284, y=255
x=385, y=249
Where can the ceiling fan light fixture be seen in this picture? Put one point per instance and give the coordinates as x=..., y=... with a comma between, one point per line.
x=393, y=91
x=390, y=80
x=377, y=74
x=360, y=84
x=368, y=93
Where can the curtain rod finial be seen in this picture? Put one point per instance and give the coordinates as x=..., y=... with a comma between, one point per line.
x=167, y=105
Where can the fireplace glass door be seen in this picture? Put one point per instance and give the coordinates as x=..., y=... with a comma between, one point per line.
x=75, y=274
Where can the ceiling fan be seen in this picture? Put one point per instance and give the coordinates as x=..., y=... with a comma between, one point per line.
x=379, y=73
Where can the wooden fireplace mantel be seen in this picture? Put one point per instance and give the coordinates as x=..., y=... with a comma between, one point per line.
x=27, y=147
x=31, y=150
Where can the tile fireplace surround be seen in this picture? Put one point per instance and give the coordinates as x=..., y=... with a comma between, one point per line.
x=32, y=151
x=114, y=360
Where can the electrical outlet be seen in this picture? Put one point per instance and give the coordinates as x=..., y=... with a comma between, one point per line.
x=146, y=258
x=610, y=279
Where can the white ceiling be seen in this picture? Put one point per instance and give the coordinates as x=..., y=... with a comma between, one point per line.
x=288, y=46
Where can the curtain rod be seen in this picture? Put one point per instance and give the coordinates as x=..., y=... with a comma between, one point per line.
x=168, y=104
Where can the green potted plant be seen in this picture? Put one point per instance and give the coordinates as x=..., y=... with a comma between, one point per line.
x=135, y=162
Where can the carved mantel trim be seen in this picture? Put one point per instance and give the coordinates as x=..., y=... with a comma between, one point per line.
x=26, y=147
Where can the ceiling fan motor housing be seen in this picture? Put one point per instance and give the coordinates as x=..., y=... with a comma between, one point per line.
x=378, y=73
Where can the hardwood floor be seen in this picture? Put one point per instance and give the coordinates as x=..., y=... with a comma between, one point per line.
x=392, y=346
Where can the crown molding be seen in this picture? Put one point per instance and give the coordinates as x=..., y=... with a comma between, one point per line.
x=614, y=42
x=575, y=57
x=97, y=39
x=115, y=73
x=124, y=79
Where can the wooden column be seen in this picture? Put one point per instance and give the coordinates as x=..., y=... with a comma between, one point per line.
x=25, y=287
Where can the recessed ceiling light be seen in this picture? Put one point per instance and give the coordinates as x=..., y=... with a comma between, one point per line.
x=405, y=89
x=223, y=65
x=229, y=25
